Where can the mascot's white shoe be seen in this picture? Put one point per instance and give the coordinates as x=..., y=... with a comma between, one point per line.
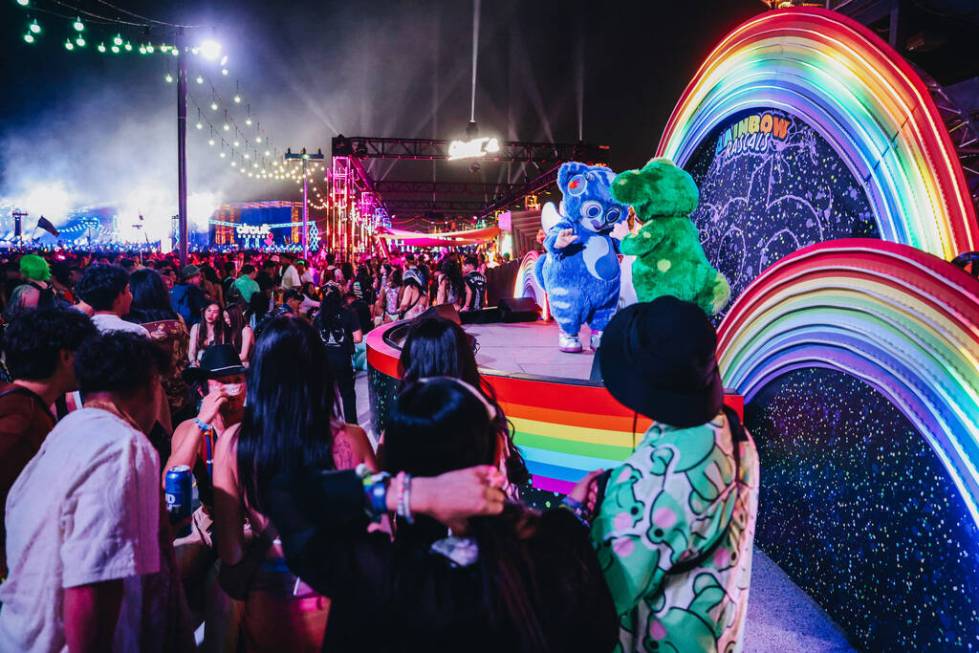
x=569, y=344
x=596, y=340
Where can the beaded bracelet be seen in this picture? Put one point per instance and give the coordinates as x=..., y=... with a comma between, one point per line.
x=404, y=498
x=577, y=509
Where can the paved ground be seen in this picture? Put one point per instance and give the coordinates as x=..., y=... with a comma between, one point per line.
x=781, y=617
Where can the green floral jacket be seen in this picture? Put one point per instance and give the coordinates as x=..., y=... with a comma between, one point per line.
x=667, y=503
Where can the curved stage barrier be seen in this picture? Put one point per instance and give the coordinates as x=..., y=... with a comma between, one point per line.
x=860, y=95
x=565, y=428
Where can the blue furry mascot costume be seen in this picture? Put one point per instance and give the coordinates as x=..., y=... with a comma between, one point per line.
x=580, y=271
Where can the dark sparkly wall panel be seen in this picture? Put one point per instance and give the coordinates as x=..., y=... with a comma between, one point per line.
x=381, y=391
x=859, y=511
x=766, y=194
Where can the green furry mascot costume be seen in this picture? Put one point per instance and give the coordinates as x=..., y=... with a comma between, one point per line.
x=669, y=258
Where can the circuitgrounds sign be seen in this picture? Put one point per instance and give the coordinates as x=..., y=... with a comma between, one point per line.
x=753, y=133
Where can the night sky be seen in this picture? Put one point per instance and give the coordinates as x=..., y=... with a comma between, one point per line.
x=82, y=128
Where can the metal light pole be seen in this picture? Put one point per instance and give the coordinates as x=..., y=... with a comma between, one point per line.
x=181, y=147
x=305, y=157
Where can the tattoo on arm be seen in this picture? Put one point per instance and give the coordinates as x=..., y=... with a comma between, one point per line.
x=343, y=453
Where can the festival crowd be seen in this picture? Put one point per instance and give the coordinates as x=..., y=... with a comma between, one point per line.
x=307, y=532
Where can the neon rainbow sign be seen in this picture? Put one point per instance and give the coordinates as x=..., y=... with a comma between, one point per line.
x=861, y=96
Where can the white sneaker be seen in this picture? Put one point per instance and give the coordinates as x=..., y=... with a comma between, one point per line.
x=596, y=340
x=569, y=344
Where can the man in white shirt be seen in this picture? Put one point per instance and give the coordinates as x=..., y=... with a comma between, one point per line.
x=295, y=275
x=106, y=289
x=84, y=517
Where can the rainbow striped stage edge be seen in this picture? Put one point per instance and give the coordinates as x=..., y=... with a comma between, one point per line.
x=565, y=428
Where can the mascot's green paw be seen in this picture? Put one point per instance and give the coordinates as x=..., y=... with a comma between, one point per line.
x=722, y=294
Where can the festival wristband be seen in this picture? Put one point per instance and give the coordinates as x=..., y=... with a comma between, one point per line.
x=376, y=489
x=202, y=425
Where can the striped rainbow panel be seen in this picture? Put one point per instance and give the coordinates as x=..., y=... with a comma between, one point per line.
x=902, y=320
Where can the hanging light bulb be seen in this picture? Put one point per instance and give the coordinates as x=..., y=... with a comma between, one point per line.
x=23, y=3
x=149, y=48
x=168, y=78
x=248, y=121
x=227, y=127
x=128, y=46
x=200, y=125
x=267, y=153
x=247, y=156
x=210, y=142
x=142, y=49
x=80, y=41
x=117, y=39
x=222, y=155
x=78, y=25
x=28, y=38
x=34, y=27
x=115, y=49
x=69, y=45
x=164, y=48
x=101, y=48
x=224, y=71
x=175, y=52
x=234, y=164
x=237, y=99
x=200, y=79
x=258, y=139
x=214, y=106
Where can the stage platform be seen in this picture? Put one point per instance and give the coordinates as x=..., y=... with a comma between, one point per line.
x=529, y=348
x=564, y=424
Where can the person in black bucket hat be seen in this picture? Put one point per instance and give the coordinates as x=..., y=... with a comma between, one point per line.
x=221, y=384
x=217, y=361
x=658, y=359
x=675, y=527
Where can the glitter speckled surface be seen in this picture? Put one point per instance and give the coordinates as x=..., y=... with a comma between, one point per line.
x=858, y=510
x=765, y=198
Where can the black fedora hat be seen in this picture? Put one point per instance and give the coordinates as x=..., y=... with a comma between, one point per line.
x=658, y=358
x=217, y=361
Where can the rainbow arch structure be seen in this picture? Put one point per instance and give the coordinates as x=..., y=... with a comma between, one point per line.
x=861, y=96
x=526, y=284
x=902, y=320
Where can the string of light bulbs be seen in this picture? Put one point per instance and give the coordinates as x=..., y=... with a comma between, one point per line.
x=80, y=33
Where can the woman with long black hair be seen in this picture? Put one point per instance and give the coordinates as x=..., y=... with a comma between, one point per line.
x=451, y=285
x=211, y=330
x=340, y=330
x=519, y=581
x=439, y=347
x=151, y=307
x=288, y=424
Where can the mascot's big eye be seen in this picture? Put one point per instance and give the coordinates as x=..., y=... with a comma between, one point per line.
x=612, y=216
x=577, y=185
x=591, y=210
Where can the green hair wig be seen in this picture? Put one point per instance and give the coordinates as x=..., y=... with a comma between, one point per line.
x=34, y=268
